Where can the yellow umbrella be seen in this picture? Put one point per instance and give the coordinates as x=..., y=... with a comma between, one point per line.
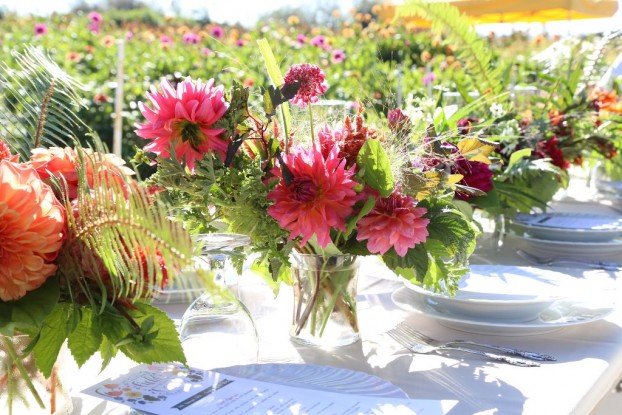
x=509, y=11
x=505, y=11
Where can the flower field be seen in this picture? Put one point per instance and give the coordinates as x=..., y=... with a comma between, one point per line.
x=363, y=58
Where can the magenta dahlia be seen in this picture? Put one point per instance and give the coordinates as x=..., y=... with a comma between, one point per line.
x=184, y=119
x=320, y=196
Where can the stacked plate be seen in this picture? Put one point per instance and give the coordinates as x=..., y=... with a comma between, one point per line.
x=513, y=300
x=583, y=235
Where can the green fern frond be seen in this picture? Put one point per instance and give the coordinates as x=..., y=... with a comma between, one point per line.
x=39, y=103
x=117, y=237
x=470, y=48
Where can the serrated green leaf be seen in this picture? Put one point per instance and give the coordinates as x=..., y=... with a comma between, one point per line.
x=86, y=339
x=413, y=266
x=165, y=347
x=374, y=162
x=53, y=335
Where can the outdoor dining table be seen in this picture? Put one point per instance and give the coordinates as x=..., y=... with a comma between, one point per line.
x=586, y=378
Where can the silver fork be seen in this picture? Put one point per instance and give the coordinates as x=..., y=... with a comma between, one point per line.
x=607, y=266
x=418, y=347
x=428, y=340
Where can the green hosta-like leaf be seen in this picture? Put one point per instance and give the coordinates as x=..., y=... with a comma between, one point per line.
x=374, y=163
x=53, y=335
x=86, y=339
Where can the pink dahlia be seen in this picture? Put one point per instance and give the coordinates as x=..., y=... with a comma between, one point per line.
x=320, y=196
x=32, y=223
x=218, y=32
x=395, y=222
x=191, y=38
x=338, y=56
x=312, y=81
x=184, y=119
x=40, y=29
x=96, y=18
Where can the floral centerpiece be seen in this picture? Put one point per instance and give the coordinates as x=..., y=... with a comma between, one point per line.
x=227, y=159
x=84, y=248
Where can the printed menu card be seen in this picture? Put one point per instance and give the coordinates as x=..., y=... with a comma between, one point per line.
x=175, y=389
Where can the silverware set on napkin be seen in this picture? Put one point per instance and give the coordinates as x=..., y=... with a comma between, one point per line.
x=418, y=342
x=562, y=260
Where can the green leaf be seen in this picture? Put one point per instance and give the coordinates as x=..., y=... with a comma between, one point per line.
x=86, y=339
x=450, y=227
x=490, y=201
x=53, y=335
x=413, y=266
x=374, y=163
x=164, y=347
x=518, y=155
x=29, y=312
x=367, y=207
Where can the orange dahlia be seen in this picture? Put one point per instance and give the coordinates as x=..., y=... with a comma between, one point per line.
x=32, y=223
x=64, y=163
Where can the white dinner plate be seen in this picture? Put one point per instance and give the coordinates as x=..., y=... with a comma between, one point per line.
x=501, y=292
x=566, y=226
x=596, y=251
x=609, y=186
x=558, y=315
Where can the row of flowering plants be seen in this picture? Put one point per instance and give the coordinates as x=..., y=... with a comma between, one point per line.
x=311, y=186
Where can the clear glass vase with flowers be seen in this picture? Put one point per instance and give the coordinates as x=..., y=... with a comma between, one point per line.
x=328, y=192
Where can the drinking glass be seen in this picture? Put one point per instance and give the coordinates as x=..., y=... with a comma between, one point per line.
x=217, y=329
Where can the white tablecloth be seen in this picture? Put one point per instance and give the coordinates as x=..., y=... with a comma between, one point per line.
x=589, y=356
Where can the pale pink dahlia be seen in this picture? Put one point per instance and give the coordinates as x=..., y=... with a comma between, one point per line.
x=184, y=119
x=320, y=196
x=312, y=81
x=32, y=223
x=393, y=222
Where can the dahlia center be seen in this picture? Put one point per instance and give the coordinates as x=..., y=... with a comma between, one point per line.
x=190, y=132
x=303, y=189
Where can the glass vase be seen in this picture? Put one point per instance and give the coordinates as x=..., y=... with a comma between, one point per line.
x=325, y=290
x=23, y=388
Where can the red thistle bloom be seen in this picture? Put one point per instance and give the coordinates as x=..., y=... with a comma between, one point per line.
x=350, y=138
x=311, y=80
x=320, y=196
x=395, y=222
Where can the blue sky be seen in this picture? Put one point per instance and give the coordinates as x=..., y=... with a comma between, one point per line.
x=247, y=11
